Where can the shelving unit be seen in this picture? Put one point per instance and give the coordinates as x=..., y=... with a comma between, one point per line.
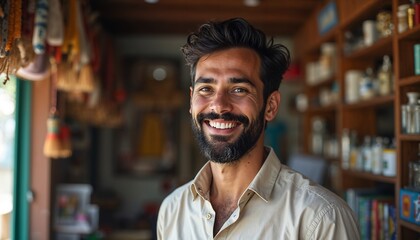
x=368, y=117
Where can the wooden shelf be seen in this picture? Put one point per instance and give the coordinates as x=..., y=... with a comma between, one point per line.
x=374, y=102
x=410, y=137
x=368, y=10
x=379, y=114
x=409, y=80
x=381, y=47
x=410, y=226
x=370, y=176
x=320, y=109
x=330, y=36
x=325, y=82
x=410, y=34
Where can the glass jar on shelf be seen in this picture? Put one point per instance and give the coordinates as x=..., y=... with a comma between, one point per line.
x=414, y=172
x=410, y=114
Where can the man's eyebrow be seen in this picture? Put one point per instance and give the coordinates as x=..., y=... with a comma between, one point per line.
x=241, y=80
x=204, y=80
x=231, y=80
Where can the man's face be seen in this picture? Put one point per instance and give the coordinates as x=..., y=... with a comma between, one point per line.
x=227, y=104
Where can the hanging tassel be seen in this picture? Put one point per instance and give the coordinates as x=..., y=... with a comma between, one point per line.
x=86, y=79
x=52, y=144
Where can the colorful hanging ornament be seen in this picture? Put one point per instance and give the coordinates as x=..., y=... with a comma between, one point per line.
x=41, y=27
x=56, y=144
x=55, y=35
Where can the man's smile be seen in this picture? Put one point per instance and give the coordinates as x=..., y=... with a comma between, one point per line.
x=222, y=125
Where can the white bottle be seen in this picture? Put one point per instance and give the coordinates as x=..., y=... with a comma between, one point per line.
x=389, y=160
x=385, y=83
x=367, y=85
x=367, y=154
x=411, y=110
x=377, y=153
x=345, y=148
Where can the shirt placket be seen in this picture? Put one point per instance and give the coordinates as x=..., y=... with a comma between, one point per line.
x=224, y=232
x=208, y=215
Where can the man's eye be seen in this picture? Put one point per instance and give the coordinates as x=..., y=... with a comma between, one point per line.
x=240, y=90
x=204, y=89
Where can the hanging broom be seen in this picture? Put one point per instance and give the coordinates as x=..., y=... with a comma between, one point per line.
x=52, y=144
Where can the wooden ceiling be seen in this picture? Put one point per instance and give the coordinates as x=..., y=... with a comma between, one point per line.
x=133, y=17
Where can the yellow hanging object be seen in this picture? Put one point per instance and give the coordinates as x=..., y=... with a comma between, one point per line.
x=86, y=79
x=52, y=144
x=152, y=139
x=71, y=36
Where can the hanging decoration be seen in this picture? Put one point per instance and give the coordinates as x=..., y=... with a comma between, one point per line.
x=85, y=68
x=57, y=143
x=11, y=27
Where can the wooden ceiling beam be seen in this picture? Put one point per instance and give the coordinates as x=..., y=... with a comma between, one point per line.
x=184, y=28
x=281, y=4
x=201, y=16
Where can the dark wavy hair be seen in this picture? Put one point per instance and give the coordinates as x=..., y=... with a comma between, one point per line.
x=237, y=32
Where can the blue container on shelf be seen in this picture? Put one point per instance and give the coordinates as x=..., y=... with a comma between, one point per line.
x=410, y=205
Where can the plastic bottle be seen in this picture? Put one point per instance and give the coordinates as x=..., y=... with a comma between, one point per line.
x=377, y=153
x=345, y=148
x=389, y=160
x=366, y=86
x=411, y=108
x=367, y=154
x=414, y=172
x=385, y=77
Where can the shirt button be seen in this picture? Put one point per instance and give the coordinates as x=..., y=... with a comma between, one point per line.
x=208, y=216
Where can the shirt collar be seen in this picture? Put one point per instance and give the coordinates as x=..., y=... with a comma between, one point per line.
x=264, y=181
x=262, y=184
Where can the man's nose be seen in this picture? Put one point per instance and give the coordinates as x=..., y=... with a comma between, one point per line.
x=221, y=103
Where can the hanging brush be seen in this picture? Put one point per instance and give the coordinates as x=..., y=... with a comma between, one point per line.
x=52, y=144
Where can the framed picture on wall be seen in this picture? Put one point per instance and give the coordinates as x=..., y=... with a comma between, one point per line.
x=148, y=142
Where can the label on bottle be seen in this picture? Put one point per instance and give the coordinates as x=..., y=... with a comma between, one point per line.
x=389, y=163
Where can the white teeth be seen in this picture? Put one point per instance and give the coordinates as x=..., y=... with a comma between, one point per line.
x=220, y=125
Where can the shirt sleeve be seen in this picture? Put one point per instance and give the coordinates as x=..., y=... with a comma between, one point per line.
x=337, y=222
x=160, y=222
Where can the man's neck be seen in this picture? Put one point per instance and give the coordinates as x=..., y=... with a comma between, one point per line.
x=230, y=181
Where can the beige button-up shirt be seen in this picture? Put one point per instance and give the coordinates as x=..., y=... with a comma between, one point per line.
x=278, y=204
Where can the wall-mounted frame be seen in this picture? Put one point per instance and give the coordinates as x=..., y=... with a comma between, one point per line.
x=148, y=142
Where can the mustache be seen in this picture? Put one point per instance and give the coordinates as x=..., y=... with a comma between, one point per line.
x=225, y=116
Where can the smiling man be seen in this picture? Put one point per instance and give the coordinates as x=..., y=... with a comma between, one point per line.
x=244, y=192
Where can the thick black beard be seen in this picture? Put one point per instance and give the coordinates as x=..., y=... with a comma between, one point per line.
x=217, y=148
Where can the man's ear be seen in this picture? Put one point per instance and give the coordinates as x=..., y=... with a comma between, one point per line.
x=272, y=107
